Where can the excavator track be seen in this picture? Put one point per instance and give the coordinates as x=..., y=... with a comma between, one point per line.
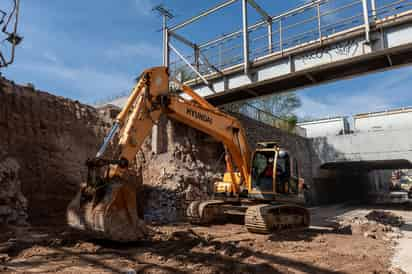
x=204, y=212
x=267, y=218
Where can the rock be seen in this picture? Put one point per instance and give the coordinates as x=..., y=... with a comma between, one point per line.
x=5, y=210
x=170, y=186
x=369, y=235
x=14, y=209
x=385, y=217
x=4, y=258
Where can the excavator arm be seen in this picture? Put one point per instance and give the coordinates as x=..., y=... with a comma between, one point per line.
x=108, y=205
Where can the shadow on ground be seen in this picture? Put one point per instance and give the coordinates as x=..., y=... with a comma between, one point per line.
x=185, y=248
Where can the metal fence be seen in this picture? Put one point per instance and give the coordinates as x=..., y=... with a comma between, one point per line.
x=265, y=117
x=310, y=23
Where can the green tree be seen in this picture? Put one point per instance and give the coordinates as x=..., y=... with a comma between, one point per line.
x=282, y=105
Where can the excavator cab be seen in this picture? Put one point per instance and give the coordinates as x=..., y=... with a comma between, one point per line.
x=274, y=173
x=263, y=170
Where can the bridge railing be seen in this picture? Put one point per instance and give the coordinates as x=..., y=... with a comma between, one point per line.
x=310, y=23
x=265, y=117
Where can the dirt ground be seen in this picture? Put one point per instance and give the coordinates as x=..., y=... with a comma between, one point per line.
x=340, y=241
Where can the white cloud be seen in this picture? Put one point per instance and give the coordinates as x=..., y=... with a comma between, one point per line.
x=50, y=57
x=341, y=106
x=391, y=90
x=86, y=82
x=142, y=49
x=144, y=7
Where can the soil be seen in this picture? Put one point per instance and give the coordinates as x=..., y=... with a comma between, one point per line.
x=220, y=248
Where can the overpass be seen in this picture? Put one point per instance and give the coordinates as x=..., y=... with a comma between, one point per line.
x=370, y=150
x=320, y=41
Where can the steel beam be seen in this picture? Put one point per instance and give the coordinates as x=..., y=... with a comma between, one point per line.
x=366, y=20
x=197, y=58
x=189, y=64
x=166, y=50
x=183, y=39
x=373, y=8
x=390, y=62
x=318, y=13
x=280, y=35
x=203, y=14
x=207, y=63
x=260, y=10
x=270, y=37
x=245, y=37
x=311, y=78
x=261, y=23
x=268, y=20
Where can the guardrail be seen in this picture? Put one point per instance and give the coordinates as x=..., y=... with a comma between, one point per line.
x=265, y=117
x=311, y=22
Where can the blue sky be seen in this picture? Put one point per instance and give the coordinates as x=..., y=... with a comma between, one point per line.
x=91, y=50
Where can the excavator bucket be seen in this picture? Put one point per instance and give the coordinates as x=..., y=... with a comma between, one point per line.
x=109, y=211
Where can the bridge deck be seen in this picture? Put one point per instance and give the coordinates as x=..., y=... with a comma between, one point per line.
x=322, y=41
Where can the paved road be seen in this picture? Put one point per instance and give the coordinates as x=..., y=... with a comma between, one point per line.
x=403, y=251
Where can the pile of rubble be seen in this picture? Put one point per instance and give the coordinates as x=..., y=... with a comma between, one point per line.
x=380, y=225
x=386, y=218
x=172, y=181
x=13, y=205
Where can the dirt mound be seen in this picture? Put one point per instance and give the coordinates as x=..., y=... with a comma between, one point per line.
x=173, y=180
x=380, y=225
x=385, y=217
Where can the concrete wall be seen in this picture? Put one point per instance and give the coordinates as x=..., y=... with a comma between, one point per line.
x=325, y=127
x=388, y=120
x=355, y=160
x=365, y=146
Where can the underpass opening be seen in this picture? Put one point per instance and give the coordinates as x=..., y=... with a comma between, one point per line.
x=372, y=182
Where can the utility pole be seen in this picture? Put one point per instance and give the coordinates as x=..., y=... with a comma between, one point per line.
x=166, y=16
x=159, y=132
x=8, y=28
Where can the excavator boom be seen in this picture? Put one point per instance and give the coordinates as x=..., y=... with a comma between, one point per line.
x=107, y=204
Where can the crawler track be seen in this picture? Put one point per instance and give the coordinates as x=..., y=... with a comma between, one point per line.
x=204, y=212
x=266, y=218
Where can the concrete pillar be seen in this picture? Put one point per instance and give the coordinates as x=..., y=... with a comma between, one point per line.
x=159, y=136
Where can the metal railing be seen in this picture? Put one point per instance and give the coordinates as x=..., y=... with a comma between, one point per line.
x=265, y=117
x=310, y=23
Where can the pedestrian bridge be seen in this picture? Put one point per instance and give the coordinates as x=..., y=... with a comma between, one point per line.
x=318, y=42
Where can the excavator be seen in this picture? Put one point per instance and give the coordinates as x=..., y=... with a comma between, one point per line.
x=263, y=186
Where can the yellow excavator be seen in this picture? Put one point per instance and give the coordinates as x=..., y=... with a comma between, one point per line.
x=262, y=186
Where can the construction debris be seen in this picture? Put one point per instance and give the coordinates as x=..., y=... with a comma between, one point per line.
x=382, y=225
x=386, y=218
x=174, y=182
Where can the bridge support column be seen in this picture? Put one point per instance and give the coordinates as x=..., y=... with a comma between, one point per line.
x=366, y=20
x=159, y=136
x=245, y=37
x=159, y=132
x=373, y=8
